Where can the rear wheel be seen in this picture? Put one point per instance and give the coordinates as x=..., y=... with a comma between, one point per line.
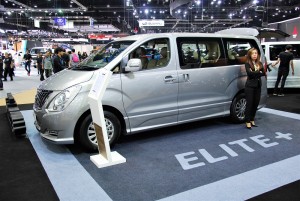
x=87, y=134
x=238, y=108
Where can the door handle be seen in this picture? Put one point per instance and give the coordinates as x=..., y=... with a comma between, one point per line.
x=170, y=79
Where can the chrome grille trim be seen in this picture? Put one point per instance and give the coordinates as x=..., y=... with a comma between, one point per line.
x=41, y=97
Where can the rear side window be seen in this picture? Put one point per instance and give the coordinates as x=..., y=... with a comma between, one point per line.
x=237, y=49
x=276, y=49
x=200, y=52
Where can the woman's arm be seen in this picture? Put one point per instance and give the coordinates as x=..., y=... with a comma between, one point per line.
x=252, y=74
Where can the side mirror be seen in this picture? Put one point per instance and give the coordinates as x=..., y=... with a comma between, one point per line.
x=133, y=65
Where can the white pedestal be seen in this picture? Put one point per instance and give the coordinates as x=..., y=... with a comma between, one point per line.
x=101, y=162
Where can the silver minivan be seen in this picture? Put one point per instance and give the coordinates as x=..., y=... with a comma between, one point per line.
x=158, y=80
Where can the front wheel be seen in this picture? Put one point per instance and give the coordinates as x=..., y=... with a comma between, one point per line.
x=87, y=134
x=238, y=108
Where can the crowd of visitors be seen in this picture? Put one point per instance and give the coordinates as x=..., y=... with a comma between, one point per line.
x=47, y=63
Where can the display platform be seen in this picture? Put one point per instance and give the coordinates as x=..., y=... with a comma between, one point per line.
x=213, y=159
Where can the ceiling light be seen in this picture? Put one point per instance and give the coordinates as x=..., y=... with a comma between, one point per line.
x=108, y=6
x=146, y=11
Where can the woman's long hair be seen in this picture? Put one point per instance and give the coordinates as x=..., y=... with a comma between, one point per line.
x=249, y=60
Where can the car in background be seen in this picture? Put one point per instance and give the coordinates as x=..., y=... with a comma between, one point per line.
x=272, y=51
x=35, y=51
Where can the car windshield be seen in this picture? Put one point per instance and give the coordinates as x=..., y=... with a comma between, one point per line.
x=105, y=55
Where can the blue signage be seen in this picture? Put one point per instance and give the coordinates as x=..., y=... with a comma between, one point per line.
x=59, y=21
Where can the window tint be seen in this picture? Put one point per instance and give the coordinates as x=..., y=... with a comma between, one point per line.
x=276, y=49
x=200, y=52
x=153, y=53
x=237, y=49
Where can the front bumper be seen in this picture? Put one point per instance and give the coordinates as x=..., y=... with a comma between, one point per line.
x=56, y=130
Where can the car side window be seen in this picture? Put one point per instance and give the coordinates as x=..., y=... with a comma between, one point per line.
x=153, y=54
x=276, y=49
x=200, y=52
x=237, y=49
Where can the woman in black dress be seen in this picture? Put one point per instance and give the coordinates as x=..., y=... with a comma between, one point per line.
x=255, y=70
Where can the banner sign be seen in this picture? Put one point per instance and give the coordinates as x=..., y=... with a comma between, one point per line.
x=151, y=23
x=59, y=21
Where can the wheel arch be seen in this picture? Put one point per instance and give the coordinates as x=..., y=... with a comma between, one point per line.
x=105, y=108
x=238, y=93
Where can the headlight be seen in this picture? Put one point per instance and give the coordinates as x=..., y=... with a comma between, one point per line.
x=63, y=99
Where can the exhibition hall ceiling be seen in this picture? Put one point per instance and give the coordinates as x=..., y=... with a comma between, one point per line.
x=125, y=16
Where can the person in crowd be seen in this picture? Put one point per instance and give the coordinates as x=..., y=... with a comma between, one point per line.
x=1, y=72
x=39, y=62
x=255, y=71
x=66, y=58
x=8, y=67
x=74, y=58
x=27, y=58
x=1, y=65
x=47, y=64
x=13, y=66
x=58, y=62
x=84, y=55
x=79, y=55
x=286, y=60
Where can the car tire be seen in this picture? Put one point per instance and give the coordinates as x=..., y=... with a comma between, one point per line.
x=87, y=134
x=237, y=108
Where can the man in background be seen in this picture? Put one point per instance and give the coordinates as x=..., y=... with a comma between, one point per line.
x=47, y=64
x=27, y=57
x=286, y=60
x=1, y=71
x=58, y=62
x=7, y=62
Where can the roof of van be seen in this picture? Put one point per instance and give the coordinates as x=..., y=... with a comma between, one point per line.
x=161, y=35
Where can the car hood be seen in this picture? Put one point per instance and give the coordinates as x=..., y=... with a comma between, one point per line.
x=65, y=79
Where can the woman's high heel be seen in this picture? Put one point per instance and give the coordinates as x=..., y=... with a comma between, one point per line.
x=253, y=124
x=248, y=125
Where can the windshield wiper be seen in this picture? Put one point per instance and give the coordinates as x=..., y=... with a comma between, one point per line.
x=84, y=67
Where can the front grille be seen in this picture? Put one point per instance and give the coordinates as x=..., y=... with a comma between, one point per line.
x=41, y=97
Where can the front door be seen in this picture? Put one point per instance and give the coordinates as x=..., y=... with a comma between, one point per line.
x=150, y=95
